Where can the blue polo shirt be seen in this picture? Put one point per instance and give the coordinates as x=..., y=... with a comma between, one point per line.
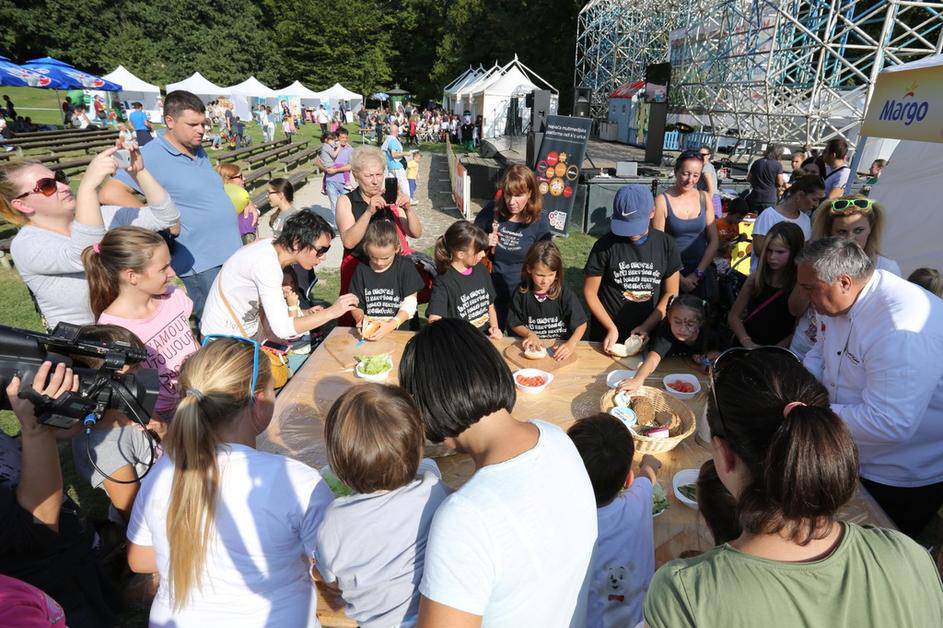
x=209, y=232
x=137, y=119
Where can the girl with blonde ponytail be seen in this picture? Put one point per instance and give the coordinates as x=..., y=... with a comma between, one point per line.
x=227, y=527
x=129, y=285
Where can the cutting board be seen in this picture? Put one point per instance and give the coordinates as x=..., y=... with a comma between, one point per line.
x=515, y=355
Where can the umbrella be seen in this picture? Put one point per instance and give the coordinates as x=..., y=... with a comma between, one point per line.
x=16, y=76
x=381, y=96
x=71, y=77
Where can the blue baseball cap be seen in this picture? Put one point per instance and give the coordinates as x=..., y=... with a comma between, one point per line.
x=632, y=210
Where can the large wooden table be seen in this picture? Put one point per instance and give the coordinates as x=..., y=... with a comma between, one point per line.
x=297, y=430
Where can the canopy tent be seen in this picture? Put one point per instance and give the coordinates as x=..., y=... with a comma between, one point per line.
x=337, y=94
x=906, y=105
x=500, y=99
x=199, y=85
x=245, y=96
x=134, y=89
x=299, y=91
x=463, y=95
x=451, y=91
x=16, y=76
x=69, y=76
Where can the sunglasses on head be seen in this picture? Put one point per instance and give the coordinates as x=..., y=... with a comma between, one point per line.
x=691, y=154
x=47, y=186
x=851, y=205
x=255, y=355
x=725, y=359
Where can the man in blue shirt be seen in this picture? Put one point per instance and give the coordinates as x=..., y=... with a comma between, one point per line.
x=142, y=126
x=209, y=233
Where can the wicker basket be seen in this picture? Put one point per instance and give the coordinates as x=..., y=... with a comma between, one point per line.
x=668, y=411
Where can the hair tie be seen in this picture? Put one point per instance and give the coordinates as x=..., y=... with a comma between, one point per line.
x=790, y=406
x=195, y=392
x=97, y=247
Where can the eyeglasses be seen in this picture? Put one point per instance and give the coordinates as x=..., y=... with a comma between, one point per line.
x=732, y=354
x=47, y=186
x=851, y=205
x=322, y=250
x=255, y=355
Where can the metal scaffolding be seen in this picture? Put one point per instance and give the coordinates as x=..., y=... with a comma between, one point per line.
x=789, y=71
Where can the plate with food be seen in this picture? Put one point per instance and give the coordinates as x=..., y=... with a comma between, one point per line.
x=659, y=500
x=685, y=487
x=532, y=380
x=374, y=368
x=543, y=359
x=369, y=327
x=682, y=385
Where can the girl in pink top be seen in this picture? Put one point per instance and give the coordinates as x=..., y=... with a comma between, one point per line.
x=129, y=277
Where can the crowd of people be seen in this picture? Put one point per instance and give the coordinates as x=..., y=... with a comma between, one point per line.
x=548, y=520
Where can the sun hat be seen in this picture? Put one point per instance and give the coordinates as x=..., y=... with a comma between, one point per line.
x=632, y=210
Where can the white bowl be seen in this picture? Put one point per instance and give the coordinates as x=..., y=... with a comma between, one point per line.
x=613, y=378
x=548, y=377
x=682, y=477
x=684, y=377
x=379, y=377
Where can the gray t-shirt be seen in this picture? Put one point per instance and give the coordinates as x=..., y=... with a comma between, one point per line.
x=709, y=172
x=50, y=263
x=111, y=448
x=374, y=547
x=327, y=154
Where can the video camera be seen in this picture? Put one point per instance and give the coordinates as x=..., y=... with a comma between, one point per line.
x=22, y=352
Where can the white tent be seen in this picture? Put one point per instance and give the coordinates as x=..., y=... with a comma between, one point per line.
x=448, y=94
x=492, y=98
x=337, y=94
x=452, y=94
x=135, y=90
x=463, y=94
x=296, y=89
x=907, y=105
x=199, y=85
x=245, y=95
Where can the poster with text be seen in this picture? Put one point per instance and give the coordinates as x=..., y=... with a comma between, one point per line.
x=558, y=167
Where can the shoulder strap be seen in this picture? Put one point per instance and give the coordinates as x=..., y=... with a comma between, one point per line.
x=232, y=313
x=763, y=305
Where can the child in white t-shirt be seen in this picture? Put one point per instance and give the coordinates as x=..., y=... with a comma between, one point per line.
x=624, y=561
x=372, y=541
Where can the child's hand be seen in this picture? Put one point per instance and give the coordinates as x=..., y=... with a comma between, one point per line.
x=383, y=330
x=495, y=333
x=649, y=466
x=630, y=385
x=562, y=351
x=532, y=343
x=291, y=297
x=640, y=331
x=611, y=338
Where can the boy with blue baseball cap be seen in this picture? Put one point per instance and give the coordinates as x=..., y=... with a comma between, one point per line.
x=632, y=271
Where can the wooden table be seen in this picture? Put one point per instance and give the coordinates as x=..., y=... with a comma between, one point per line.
x=297, y=430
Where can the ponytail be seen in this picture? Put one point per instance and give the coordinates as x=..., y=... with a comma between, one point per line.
x=121, y=249
x=214, y=385
x=460, y=235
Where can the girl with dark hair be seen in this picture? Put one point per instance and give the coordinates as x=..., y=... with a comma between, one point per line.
x=543, y=308
x=687, y=214
x=683, y=332
x=761, y=314
x=463, y=288
x=514, y=221
x=804, y=194
x=791, y=465
x=129, y=277
x=281, y=195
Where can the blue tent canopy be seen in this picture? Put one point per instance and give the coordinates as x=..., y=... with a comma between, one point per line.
x=70, y=77
x=16, y=76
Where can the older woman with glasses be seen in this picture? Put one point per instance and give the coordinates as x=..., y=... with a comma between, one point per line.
x=687, y=214
x=247, y=298
x=56, y=226
x=791, y=464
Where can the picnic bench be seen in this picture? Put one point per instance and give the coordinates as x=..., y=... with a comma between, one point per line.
x=260, y=200
x=241, y=153
x=254, y=178
x=297, y=431
x=34, y=142
x=298, y=158
x=276, y=153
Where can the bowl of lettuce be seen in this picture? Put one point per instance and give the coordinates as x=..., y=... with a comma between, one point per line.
x=374, y=368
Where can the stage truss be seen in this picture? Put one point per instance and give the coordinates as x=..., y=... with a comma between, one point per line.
x=786, y=71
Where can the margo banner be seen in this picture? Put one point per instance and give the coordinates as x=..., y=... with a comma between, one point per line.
x=907, y=105
x=558, y=167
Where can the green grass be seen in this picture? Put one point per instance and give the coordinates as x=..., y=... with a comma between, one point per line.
x=39, y=104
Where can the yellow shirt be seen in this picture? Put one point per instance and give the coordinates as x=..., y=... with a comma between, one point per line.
x=412, y=169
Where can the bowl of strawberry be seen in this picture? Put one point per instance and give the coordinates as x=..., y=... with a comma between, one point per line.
x=682, y=385
x=532, y=380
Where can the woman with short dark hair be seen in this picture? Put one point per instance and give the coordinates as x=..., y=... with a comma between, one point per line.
x=512, y=546
x=791, y=465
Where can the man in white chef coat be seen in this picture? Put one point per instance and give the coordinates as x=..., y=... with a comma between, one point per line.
x=879, y=352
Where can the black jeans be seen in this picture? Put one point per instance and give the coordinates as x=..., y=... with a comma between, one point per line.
x=911, y=509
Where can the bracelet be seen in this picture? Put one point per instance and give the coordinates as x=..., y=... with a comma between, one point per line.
x=294, y=308
x=698, y=273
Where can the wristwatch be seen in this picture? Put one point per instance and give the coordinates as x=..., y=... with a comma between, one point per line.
x=698, y=273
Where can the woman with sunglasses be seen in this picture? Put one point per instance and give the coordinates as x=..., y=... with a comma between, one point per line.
x=687, y=214
x=853, y=217
x=227, y=527
x=791, y=465
x=55, y=227
x=247, y=299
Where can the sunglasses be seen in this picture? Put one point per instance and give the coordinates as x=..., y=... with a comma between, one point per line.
x=725, y=359
x=322, y=250
x=851, y=205
x=47, y=186
x=256, y=348
x=688, y=154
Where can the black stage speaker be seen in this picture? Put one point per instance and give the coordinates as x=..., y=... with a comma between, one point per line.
x=581, y=101
x=539, y=102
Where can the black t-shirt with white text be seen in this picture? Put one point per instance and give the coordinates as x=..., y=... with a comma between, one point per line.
x=514, y=240
x=380, y=294
x=632, y=276
x=550, y=319
x=467, y=297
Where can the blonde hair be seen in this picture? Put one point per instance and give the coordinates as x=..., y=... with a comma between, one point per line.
x=824, y=218
x=929, y=279
x=228, y=171
x=121, y=248
x=214, y=385
x=364, y=155
x=8, y=192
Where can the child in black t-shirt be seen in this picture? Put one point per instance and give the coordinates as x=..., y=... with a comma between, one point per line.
x=463, y=288
x=543, y=308
x=682, y=332
x=386, y=287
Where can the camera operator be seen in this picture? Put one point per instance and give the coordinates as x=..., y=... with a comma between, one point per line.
x=45, y=541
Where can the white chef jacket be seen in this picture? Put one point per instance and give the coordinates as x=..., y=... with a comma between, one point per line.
x=882, y=363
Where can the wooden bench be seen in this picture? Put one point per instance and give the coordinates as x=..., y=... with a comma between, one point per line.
x=32, y=142
x=298, y=158
x=276, y=153
x=298, y=179
x=74, y=165
x=240, y=153
x=258, y=176
x=37, y=134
